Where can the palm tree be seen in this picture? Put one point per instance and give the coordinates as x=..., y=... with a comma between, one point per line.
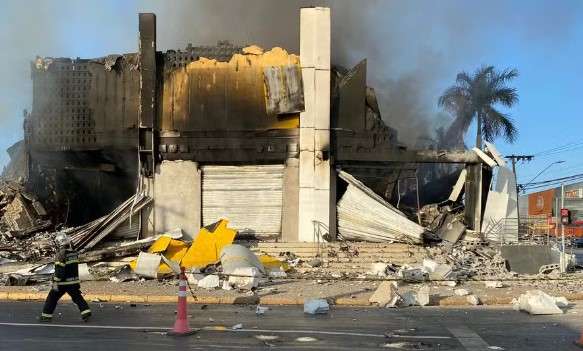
x=477, y=97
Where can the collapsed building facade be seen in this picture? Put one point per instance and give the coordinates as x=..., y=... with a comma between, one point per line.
x=270, y=140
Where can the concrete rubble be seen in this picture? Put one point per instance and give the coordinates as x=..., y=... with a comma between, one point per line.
x=316, y=306
x=537, y=302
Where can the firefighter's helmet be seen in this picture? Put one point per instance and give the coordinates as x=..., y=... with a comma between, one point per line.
x=62, y=240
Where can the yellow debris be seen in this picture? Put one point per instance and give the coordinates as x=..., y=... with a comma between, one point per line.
x=253, y=50
x=160, y=245
x=270, y=262
x=204, y=250
x=208, y=244
x=175, y=252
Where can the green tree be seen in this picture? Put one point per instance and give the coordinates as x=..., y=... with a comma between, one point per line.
x=477, y=97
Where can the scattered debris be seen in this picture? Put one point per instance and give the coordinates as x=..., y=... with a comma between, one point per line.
x=493, y=284
x=379, y=269
x=461, y=292
x=306, y=339
x=386, y=295
x=413, y=275
x=537, y=302
x=473, y=300
x=235, y=257
x=260, y=310
x=423, y=297
x=316, y=306
x=266, y=337
x=209, y=282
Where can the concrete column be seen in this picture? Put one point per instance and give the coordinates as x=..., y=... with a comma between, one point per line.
x=177, y=197
x=317, y=199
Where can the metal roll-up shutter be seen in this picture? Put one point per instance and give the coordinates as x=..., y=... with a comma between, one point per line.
x=250, y=197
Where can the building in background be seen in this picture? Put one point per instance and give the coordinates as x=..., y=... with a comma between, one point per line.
x=545, y=206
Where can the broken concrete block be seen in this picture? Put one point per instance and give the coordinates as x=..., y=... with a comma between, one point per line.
x=537, y=302
x=408, y=298
x=314, y=263
x=316, y=306
x=245, y=278
x=473, y=300
x=194, y=278
x=437, y=271
x=277, y=273
x=423, y=297
x=227, y=286
x=379, y=269
x=385, y=295
x=461, y=292
x=209, y=282
x=235, y=256
x=147, y=265
x=493, y=284
x=412, y=274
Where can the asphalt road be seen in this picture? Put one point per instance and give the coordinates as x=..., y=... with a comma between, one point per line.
x=123, y=327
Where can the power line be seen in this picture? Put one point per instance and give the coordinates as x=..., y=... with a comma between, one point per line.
x=559, y=148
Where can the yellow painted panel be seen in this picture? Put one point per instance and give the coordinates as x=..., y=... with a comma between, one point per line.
x=271, y=262
x=208, y=244
x=160, y=245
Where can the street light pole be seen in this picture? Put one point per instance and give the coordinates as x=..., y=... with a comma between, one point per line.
x=541, y=172
x=563, y=263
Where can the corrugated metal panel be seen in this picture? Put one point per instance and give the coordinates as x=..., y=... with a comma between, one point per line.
x=128, y=230
x=250, y=197
x=363, y=215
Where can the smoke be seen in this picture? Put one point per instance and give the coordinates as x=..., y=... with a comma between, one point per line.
x=414, y=48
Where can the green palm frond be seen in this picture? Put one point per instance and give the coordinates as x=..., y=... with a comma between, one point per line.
x=479, y=93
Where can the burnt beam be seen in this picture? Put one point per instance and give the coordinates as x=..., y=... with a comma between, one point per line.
x=409, y=156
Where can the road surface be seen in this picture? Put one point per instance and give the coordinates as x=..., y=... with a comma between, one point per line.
x=142, y=327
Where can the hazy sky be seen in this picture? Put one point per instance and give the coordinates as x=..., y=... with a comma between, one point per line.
x=415, y=48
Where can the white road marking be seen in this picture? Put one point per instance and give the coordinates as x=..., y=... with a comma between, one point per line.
x=469, y=339
x=211, y=328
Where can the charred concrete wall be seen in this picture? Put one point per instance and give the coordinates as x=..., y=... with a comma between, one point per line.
x=81, y=134
x=213, y=109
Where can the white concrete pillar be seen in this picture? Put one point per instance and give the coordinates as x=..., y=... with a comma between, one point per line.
x=317, y=200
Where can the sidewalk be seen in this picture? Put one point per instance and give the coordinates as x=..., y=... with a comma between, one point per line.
x=293, y=292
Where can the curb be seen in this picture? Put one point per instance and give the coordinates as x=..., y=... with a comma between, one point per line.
x=253, y=300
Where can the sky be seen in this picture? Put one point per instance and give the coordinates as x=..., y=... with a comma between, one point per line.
x=414, y=48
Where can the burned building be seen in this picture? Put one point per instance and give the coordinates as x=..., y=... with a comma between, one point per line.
x=228, y=131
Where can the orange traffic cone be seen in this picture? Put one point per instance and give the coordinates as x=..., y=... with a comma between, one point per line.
x=580, y=341
x=181, y=326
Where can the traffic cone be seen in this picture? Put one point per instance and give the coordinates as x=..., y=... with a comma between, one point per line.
x=580, y=341
x=181, y=327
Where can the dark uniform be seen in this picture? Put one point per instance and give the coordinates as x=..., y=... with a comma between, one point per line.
x=66, y=280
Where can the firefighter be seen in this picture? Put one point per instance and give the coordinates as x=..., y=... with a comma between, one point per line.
x=65, y=280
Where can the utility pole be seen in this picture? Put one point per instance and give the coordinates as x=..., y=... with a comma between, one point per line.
x=514, y=159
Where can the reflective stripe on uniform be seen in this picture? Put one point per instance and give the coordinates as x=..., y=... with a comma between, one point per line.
x=46, y=315
x=57, y=263
x=71, y=262
x=182, y=283
x=69, y=282
x=57, y=279
x=182, y=294
x=85, y=312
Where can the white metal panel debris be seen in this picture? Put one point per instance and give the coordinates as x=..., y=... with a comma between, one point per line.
x=364, y=215
x=459, y=186
x=500, y=220
x=250, y=197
